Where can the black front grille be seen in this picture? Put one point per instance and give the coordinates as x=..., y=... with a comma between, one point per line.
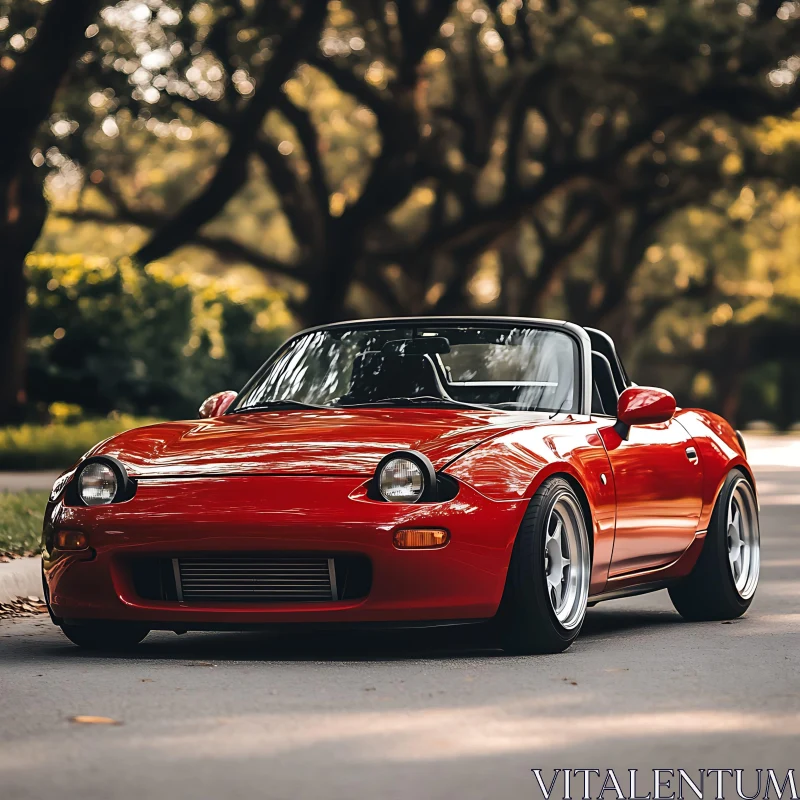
x=257, y=578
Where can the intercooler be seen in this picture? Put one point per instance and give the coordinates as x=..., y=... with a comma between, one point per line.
x=255, y=579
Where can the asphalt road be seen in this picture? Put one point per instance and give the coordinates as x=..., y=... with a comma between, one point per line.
x=413, y=715
x=22, y=481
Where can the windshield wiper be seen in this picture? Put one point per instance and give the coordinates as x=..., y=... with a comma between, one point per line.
x=277, y=405
x=418, y=400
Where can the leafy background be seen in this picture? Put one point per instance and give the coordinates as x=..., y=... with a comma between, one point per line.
x=190, y=180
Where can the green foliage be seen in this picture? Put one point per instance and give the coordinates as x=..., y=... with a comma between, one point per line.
x=717, y=305
x=622, y=164
x=21, y=515
x=108, y=336
x=57, y=445
x=371, y=202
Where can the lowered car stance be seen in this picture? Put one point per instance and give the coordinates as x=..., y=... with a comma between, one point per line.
x=408, y=472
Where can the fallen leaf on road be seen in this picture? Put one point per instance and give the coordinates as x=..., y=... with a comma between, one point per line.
x=21, y=608
x=89, y=720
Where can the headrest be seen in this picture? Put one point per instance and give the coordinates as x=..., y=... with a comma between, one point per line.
x=379, y=376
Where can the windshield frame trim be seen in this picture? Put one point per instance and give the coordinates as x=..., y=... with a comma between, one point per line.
x=576, y=331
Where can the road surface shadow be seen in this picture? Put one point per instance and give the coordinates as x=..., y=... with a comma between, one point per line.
x=605, y=620
x=362, y=645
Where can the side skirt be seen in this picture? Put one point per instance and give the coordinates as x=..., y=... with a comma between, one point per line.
x=286, y=627
x=654, y=579
x=630, y=591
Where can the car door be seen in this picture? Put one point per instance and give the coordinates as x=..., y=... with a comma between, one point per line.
x=658, y=482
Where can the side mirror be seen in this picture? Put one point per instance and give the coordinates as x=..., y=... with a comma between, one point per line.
x=217, y=404
x=643, y=405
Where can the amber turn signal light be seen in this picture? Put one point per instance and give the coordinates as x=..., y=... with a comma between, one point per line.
x=420, y=538
x=71, y=540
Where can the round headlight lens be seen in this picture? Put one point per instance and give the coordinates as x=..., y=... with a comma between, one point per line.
x=401, y=481
x=97, y=484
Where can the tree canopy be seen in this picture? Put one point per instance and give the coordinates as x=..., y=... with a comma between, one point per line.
x=596, y=159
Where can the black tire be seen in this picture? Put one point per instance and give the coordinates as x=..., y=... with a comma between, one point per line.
x=526, y=621
x=105, y=636
x=709, y=592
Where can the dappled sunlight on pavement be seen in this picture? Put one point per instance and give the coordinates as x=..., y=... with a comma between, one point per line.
x=432, y=713
x=764, y=451
x=432, y=733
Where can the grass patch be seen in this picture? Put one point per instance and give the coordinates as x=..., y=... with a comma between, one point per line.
x=21, y=515
x=58, y=445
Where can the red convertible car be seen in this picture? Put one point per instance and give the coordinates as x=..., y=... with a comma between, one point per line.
x=411, y=472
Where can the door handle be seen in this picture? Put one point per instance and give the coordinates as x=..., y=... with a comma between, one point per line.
x=691, y=454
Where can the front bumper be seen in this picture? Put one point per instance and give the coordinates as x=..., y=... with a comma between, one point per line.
x=171, y=518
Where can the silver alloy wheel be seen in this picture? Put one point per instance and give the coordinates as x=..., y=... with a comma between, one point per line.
x=744, y=539
x=566, y=561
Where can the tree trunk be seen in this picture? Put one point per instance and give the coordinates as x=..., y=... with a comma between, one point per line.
x=729, y=377
x=26, y=97
x=328, y=289
x=23, y=214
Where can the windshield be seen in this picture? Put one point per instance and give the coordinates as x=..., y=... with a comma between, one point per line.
x=507, y=367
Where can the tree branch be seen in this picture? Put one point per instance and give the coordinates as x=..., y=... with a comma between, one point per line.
x=300, y=120
x=224, y=246
x=306, y=218
x=229, y=248
x=349, y=83
x=231, y=172
x=576, y=229
x=27, y=91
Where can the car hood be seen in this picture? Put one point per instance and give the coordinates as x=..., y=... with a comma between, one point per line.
x=304, y=442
